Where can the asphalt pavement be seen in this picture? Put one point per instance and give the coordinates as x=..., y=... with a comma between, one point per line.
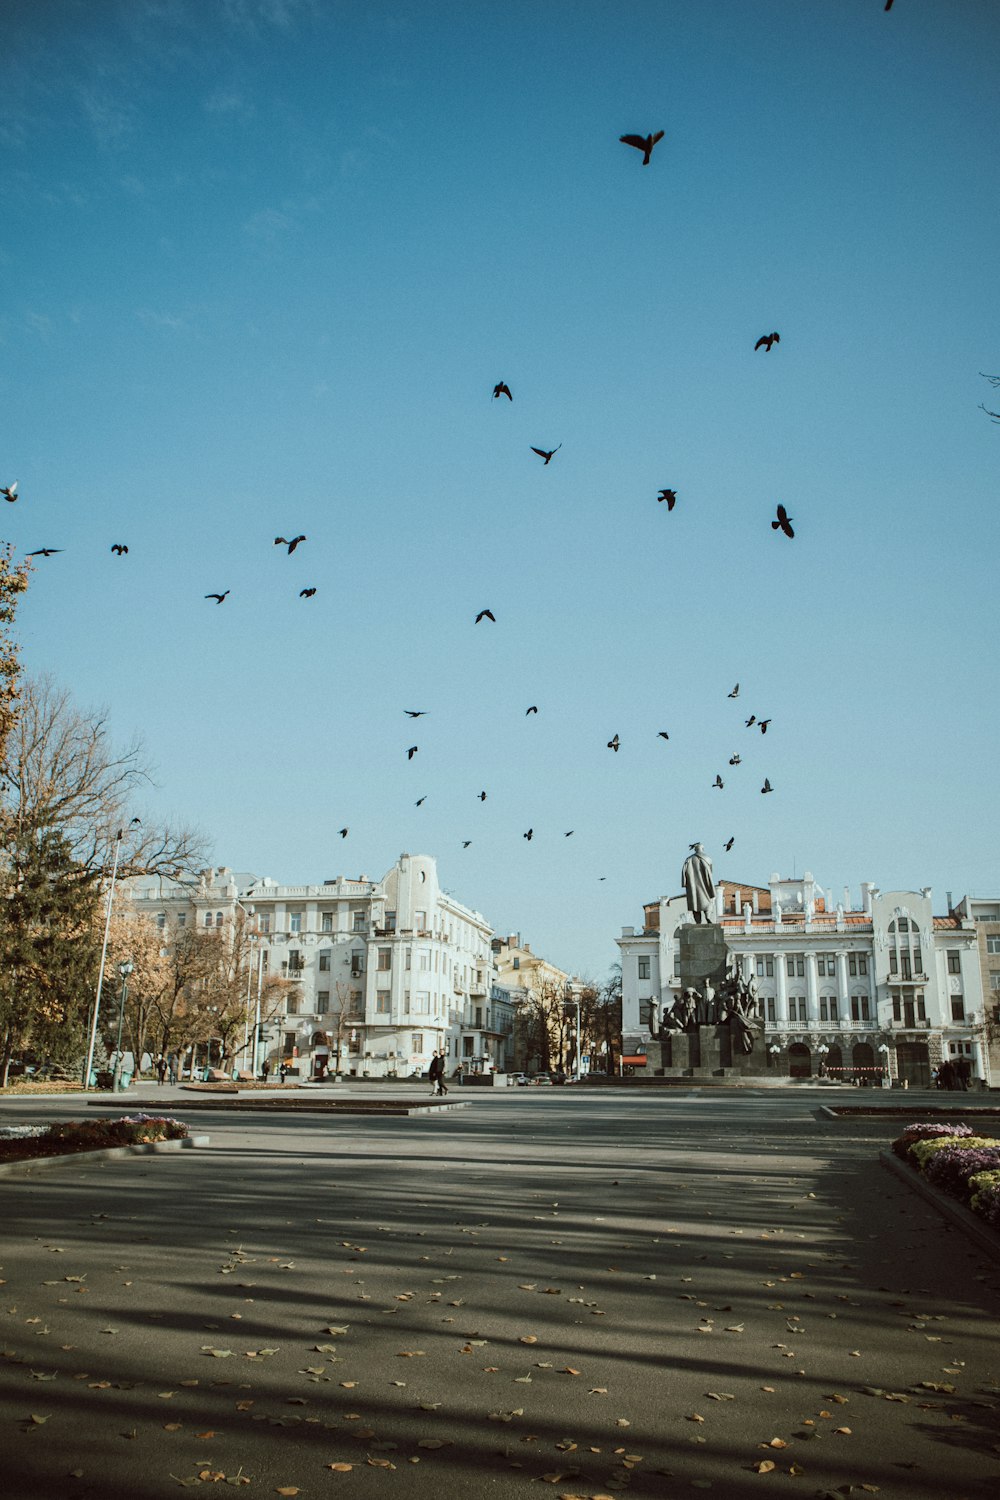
x=597, y=1291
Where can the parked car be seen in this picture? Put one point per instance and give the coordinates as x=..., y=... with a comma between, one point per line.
x=542, y=1078
x=519, y=1080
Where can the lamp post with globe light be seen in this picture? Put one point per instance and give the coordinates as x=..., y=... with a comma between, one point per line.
x=125, y=968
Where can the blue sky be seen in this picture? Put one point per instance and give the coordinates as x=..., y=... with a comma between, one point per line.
x=265, y=261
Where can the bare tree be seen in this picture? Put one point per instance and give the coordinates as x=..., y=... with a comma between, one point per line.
x=13, y=582
x=64, y=772
x=994, y=381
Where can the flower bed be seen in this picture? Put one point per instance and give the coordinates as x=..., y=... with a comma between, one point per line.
x=960, y=1163
x=67, y=1137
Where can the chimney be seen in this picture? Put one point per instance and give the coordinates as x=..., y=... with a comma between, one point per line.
x=951, y=908
x=847, y=898
x=866, y=897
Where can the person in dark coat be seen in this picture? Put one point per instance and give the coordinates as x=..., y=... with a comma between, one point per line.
x=265, y=1068
x=963, y=1072
x=946, y=1076
x=436, y=1073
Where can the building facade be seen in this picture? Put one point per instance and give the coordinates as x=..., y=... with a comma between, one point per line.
x=881, y=989
x=984, y=913
x=380, y=973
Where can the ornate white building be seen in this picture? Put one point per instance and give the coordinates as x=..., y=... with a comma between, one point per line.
x=852, y=991
x=381, y=972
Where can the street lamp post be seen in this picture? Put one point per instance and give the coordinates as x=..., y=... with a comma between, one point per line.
x=104, y=954
x=124, y=969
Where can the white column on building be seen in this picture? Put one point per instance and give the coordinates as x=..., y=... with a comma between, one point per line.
x=781, y=975
x=812, y=990
x=843, y=997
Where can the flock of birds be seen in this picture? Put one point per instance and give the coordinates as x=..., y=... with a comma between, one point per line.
x=782, y=523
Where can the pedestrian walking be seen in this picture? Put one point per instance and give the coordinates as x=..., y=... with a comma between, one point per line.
x=265, y=1068
x=946, y=1076
x=161, y=1069
x=436, y=1074
x=172, y=1067
x=283, y=1071
x=963, y=1072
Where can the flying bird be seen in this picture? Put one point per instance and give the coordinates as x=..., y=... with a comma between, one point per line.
x=528, y=834
x=466, y=843
x=767, y=787
x=734, y=760
x=218, y=597
x=643, y=143
x=661, y=734
x=486, y=614
x=752, y=720
x=783, y=523
x=502, y=389
x=729, y=844
x=569, y=833
x=44, y=552
x=419, y=802
x=613, y=744
x=548, y=456
x=735, y=692
x=306, y=593
x=120, y=548
x=10, y=493
x=888, y=4
x=670, y=496
x=414, y=713
x=766, y=340
x=762, y=725
x=532, y=710
x=412, y=751
x=718, y=781
x=343, y=832
x=281, y=541
x=482, y=796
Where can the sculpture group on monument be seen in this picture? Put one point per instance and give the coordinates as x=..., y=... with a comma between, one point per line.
x=715, y=1023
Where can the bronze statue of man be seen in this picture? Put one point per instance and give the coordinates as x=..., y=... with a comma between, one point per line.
x=699, y=887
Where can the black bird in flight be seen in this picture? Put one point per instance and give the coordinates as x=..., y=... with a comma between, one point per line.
x=486, y=614
x=729, y=844
x=482, y=796
x=661, y=734
x=218, y=597
x=44, y=552
x=306, y=593
x=414, y=713
x=420, y=801
x=613, y=744
x=502, y=389
x=548, y=456
x=718, y=781
x=528, y=835
x=762, y=725
x=569, y=833
x=412, y=751
x=343, y=832
x=766, y=340
x=466, y=843
x=767, y=787
x=670, y=496
x=888, y=4
x=734, y=760
x=643, y=143
x=752, y=720
x=10, y=493
x=783, y=523
x=120, y=548
x=281, y=541
x=532, y=710
x=735, y=692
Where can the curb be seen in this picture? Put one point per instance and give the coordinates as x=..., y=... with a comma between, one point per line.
x=387, y=1109
x=962, y=1217
x=108, y=1153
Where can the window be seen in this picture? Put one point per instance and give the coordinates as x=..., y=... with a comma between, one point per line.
x=517, y=963
x=994, y=980
x=182, y=919
x=326, y=921
x=797, y=1009
x=769, y=967
x=288, y=1046
x=359, y=924
x=993, y=942
x=417, y=1042
x=382, y=1002
x=821, y=965
x=770, y=1011
x=958, y=1007
x=357, y=963
x=423, y=1005
x=218, y=919
x=385, y=959
x=644, y=968
x=859, y=1008
x=677, y=965
x=208, y=919
x=468, y=1042
x=425, y=963
x=954, y=961
x=760, y=968
x=479, y=1018
x=264, y=923
x=894, y=962
x=420, y=917
x=796, y=966
x=390, y=922
x=295, y=964
x=862, y=963
x=323, y=999
x=292, y=1005
x=161, y=920
x=324, y=960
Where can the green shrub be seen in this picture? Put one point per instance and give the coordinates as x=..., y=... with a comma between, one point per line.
x=983, y=1180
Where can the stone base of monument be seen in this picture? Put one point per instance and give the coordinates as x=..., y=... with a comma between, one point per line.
x=705, y=1052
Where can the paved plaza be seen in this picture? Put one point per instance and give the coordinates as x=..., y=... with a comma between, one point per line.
x=575, y=1292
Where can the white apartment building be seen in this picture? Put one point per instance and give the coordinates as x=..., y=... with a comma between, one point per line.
x=381, y=973
x=851, y=990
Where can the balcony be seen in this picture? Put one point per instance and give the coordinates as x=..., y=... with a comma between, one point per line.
x=906, y=979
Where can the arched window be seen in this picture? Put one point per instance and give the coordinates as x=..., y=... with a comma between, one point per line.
x=905, y=959
x=218, y=919
x=208, y=919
